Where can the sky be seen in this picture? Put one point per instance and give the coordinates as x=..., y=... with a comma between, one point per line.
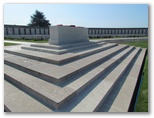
x=85, y=15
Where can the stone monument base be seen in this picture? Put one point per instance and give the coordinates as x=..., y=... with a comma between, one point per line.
x=60, y=35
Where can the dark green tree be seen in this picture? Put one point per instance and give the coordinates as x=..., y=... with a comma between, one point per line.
x=38, y=19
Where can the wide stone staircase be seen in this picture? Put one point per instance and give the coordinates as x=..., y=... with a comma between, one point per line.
x=83, y=77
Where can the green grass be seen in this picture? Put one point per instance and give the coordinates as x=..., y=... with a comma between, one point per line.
x=142, y=103
x=10, y=44
x=29, y=40
x=143, y=44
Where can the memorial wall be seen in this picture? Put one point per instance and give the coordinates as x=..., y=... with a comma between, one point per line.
x=26, y=32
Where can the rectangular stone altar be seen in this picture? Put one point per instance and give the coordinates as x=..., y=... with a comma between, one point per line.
x=60, y=35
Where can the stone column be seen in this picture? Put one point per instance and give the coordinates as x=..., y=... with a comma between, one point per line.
x=46, y=31
x=16, y=31
x=10, y=31
x=27, y=31
x=42, y=32
x=37, y=31
x=5, y=32
x=32, y=31
x=22, y=31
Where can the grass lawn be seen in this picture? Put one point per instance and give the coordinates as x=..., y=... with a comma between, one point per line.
x=10, y=44
x=30, y=40
x=142, y=103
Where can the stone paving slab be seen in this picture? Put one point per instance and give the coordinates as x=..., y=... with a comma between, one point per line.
x=99, y=93
x=18, y=101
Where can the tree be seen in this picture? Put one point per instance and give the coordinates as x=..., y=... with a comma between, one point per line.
x=38, y=19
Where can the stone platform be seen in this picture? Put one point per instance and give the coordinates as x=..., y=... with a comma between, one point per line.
x=84, y=77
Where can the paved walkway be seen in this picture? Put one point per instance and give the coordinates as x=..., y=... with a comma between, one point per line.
x=19, y=42
x=124, y=39
x=107, y=40
x=134, y=38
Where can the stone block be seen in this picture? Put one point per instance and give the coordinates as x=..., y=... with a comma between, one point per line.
x=60, y=35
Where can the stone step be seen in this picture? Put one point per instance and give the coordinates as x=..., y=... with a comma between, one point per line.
x=97, y=96
x=124, y=96
x=57, y=74
x=34, y=85
x=62, y=51
x=51, y=95
x=58, y=47
x=79, y=84
x=83, y=82
x=58, y=59
x=17, y=101
x=88, y=52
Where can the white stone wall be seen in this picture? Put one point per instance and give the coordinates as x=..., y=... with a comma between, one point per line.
x=118, y=32
x=35, y=32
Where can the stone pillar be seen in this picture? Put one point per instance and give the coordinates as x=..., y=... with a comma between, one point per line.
x=10, y=31
x=144, y=32
x=27, y=31
x=5, y=32
x=37, y=31
x=16, y=31
x=22, y=31
x=32, y=31
x=46, y=31
x=42, y=32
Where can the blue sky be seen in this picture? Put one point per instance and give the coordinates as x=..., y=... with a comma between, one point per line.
x=86, y=15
